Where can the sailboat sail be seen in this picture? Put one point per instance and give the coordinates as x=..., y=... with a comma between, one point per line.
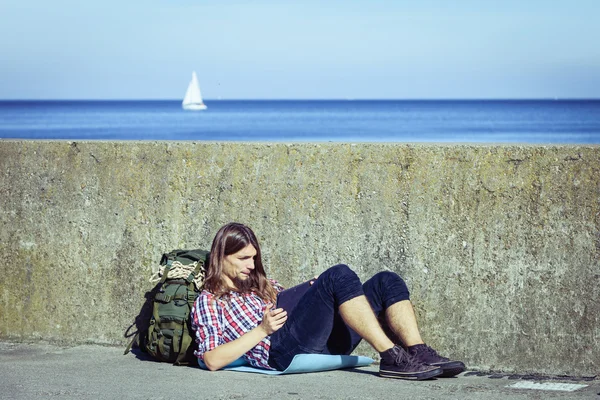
x=193, y=97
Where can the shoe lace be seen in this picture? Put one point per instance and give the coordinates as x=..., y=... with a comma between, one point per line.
x=402, y=357
x=432, y=353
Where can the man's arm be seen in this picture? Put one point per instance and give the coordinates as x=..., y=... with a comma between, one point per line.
x=225, y=354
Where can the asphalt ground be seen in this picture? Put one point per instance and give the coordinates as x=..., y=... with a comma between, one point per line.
x=40, y=370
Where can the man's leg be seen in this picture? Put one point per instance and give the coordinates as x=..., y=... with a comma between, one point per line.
x=387, y=292
x=395, y=362
x=401, y=319
x=359, y=316
x=309, y=327
x=382, y=291
x=338, y=292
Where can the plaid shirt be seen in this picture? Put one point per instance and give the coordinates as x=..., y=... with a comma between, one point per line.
x=218, y=321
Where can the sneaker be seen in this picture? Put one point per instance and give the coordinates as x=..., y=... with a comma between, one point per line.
x=397, y=363
x=429, y=356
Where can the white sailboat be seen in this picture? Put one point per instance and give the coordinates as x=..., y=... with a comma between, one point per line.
x=193, y=98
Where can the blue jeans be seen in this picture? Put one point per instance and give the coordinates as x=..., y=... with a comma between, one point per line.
x=316, y=326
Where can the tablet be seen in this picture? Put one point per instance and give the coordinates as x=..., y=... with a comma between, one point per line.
x=288, y=299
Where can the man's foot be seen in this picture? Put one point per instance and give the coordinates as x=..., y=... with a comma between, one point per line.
x=397, y=363
x=429, y=356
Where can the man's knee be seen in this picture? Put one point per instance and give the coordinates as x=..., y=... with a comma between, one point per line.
x=337, y=273
x=386, y=276
x=340, y=269
x=341, y=283
x=391, y=281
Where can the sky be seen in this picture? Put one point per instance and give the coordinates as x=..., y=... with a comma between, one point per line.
x=287, y=49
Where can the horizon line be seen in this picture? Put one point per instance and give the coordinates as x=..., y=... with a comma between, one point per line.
x=314, y=99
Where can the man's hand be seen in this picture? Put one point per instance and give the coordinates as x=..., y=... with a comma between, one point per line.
x=273, y=319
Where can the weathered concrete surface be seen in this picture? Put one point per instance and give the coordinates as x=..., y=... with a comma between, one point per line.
x=34, y=371
x=499, y=244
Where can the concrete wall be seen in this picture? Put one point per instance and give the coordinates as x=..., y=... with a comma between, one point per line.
x=499, y=244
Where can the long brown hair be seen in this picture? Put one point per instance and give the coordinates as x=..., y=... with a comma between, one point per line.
x=230, y=239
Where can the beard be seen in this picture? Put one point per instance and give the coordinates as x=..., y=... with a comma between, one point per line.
x=245, y=285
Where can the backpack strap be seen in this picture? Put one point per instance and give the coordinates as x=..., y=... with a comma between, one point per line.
x=194, y=274
x=186, y=341
x=165, y=274
x=186, y=338
x=130, y=345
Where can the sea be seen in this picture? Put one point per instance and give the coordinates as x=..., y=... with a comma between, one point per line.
x=457, y=121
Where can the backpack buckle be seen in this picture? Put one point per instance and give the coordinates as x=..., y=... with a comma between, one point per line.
x=190, y=278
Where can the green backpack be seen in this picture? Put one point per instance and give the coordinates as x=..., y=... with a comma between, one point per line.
x=168, y=336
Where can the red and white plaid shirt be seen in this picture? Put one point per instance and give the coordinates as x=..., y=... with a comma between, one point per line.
x=219, y=321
